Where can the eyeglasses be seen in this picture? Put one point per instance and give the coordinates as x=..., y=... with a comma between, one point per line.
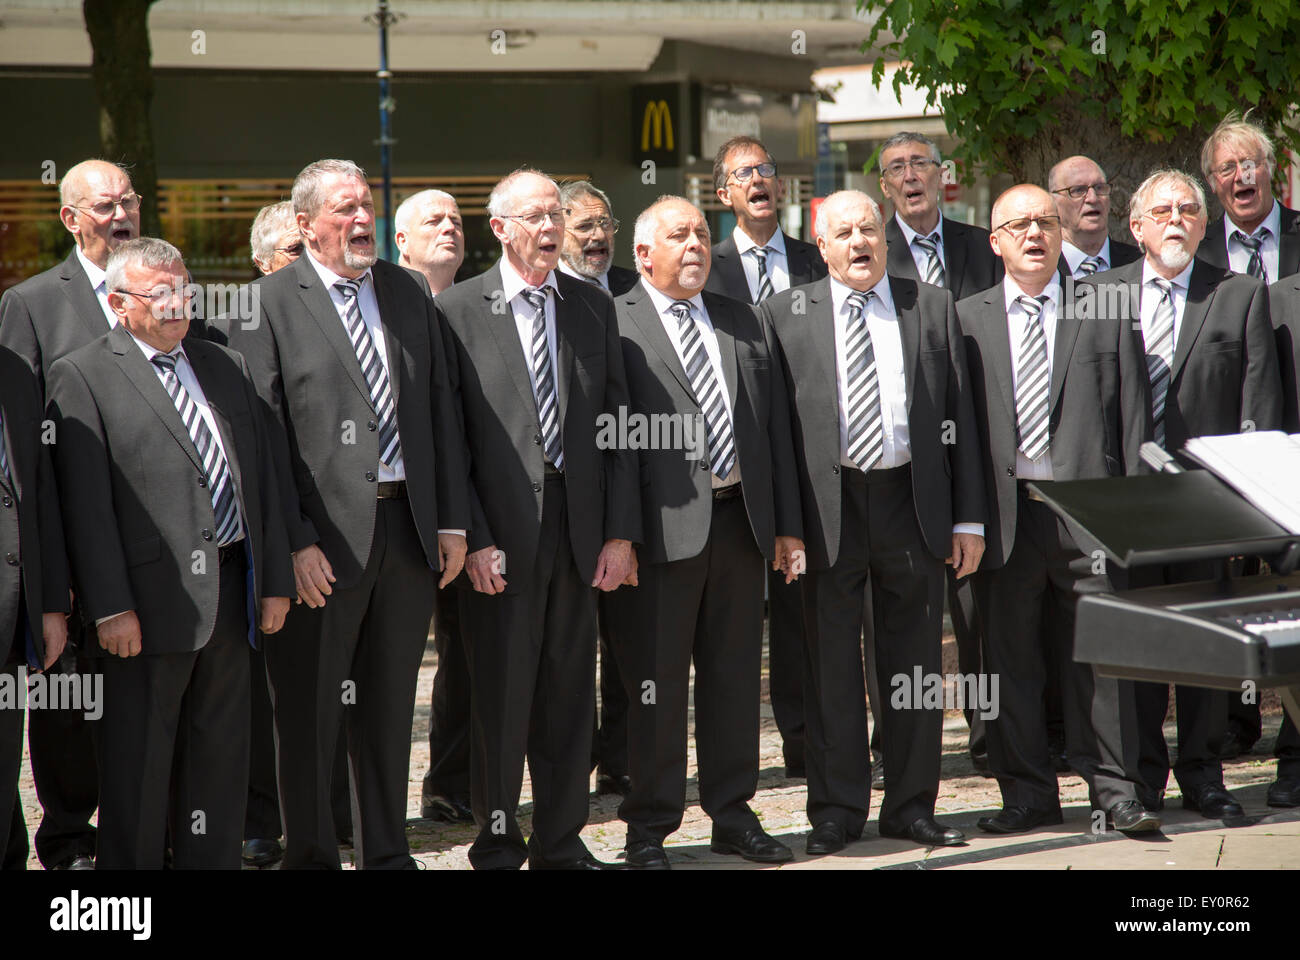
x=588, y=227
x=536, y=219
x=129, y=204
x=1021, y=225
x=920, y=164
x=765, y=170
x=1079, y=191
x=1226, y=171
x=293, y=249
x=1165, y=211
x=165, y=294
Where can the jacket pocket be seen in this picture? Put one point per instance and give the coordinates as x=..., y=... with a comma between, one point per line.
x=142, y=551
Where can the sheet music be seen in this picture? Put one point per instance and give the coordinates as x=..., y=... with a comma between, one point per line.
x=1263, y=466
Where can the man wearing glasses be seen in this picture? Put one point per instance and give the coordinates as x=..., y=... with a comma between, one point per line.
x=41, y=319
x=1083, y=201
x=589, y=231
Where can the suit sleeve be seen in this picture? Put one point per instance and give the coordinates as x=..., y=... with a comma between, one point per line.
x=55, y=581
x=1261, y=388
x=82, y=462
x=969, y=499
x=277, y=577
x=451, y=452
x=1135, y=427
x=622, y=466
x=18, y=332
x=785, y=478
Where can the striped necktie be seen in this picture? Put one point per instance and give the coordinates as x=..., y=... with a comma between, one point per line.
x=934, y=272
x=699, y=370
x=1090, y=265
x=221, y=486
x=1255, y=267
x=1033, y=381
x=548, y=411
x=4, y=456
x=764, y=281
x=1159, y=348
x=866, y=431
x=372, y=367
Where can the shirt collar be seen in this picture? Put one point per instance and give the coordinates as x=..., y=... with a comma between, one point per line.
x=744, y=242
x=564, y=267
x=93, y=273
x=512, y=284
x=909, y=234
x=1272, y=222
x=662, y=301
x=1011, y=290
x=1183, y=280
x=328, y=276
x=1074, y=256
x=840, y=292
x=151, y=352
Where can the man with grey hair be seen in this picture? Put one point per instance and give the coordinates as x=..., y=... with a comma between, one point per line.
x=431, y=237
x=274, y=238
x=554, y=514
x=349, y=356
x=589, y=231
x=1082, y=195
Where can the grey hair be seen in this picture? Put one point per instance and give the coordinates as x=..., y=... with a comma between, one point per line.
x=308, y=192
x=406, y=209
x=907, y=136
x=583, y=188
x=820, y=225
x=501, y=201
x=148, y=252
x=271, y=221
x=1238, y=128
x=643, y=231
x=1137, y=206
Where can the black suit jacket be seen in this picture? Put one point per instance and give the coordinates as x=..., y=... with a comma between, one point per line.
x=1284, y=308
x=324, y=427
x=727, y=275
x=35, y=568
x=1100, y=404
x=420, y=279
x=946, y=484
x=969, y=262
x=1225, y=368
x=1214, y=245
x=507, y=464
x=676, y=502
x=140, y=525
x=621, y=280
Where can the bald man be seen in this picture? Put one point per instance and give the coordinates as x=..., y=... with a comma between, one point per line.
x=431, y=237
x=1082, y=195
x=42, y=319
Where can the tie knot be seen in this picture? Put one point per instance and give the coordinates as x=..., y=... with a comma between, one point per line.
x=1252, y=243
x=1032, y=305
x=165, y=362
x=760, y=252
x=1091, y=265
x=681, y=309
x=929, y=244
x=1164, y=286
x=858, y=300
x=349, y=288
x=536, y=296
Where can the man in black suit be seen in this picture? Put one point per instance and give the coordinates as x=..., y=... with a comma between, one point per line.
x=1082, y=195
x=885, y=448
x=717, y=498
x=179, y=556
x=757, y=260
x=41, y=319
x=1057, y=397
x=34, y=598
x=349, y=355
x=554, y=514
x=1212, y=361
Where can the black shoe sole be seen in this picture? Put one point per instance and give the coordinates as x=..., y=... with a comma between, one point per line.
x=732, y=850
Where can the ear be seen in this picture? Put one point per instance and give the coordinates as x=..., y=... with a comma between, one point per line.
x=117, y=303
x=642, y=254
x=400, y=239
x=68, y=216
x=304, y=226
x=821, y=246
x=500, y=229
x=994, y=243
x=1133, y=226
x=724, y=195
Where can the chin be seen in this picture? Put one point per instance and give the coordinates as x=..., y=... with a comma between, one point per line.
x=1175, y=258
x=358, y=261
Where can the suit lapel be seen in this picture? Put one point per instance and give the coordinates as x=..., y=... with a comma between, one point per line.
x=1288, y=258
x=647, y=320
x=77, y=288
x=1067, y=333
x=565, y=328
x=813, y=347
x=317, y=300
x=909, y=330
x=724, y=323
x=995, y=341
x=139, y=371
x=1200, y=291
x=954, y=254
x=898, y=257
x=506, y=335
x=9, y=481
x=390, y=321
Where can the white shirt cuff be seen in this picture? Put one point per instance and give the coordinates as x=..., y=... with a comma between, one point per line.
x=975, y=528
x=112, y=616
x=459, y=533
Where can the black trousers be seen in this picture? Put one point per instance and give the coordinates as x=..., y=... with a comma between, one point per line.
x=881, y=547
x=532, y=662
x=785, y=643
x=707, y=609
x=1287, y=749
x=449, y=706
x=1027, y=608
x=12, y=821
x=356, y=660
x=173, y=742
x=609, y=736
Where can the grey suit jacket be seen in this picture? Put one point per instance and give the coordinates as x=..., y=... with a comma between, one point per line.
x=727, y=275
x=1284, y=307
x=969, y=262
x=1214, y=246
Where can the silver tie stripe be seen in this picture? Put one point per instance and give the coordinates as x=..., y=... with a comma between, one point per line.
x=4, y=457
x=372, y=367
x=708, y=394
x=1033, y=381
x=548, y=411
x=1255, y=267
x=220, y=483
x=764, y=281
x=1160, y=355
x=866, y=432
x=934, y=272
x=1091, y=265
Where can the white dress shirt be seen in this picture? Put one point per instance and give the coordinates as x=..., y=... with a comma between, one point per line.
x=601, y=281
x=919, y=256
x=1150, y=296
x=662, y=302
x=97, y=283
x=778, y=265
x=1270, y=250
x=1074, y=256
x=1017, y=322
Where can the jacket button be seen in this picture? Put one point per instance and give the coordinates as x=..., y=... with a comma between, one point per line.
x=371, y=425
x=1011, y=471
x=8, y=501
x=704, y=464
x=11, y=560
x=537, y=438
x=537, y=487
x=203, y=481
x=207, y=534
x=835, y=468
x=370, y=475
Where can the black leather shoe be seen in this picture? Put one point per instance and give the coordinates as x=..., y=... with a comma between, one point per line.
x=586, y=863
x=79, y=862
x=1152, y=802
x=1129, y=816
x=262, y=853
x=1234, y=745
x=1019, y=820
x=1284, y=792
x=828, y=837
x=753, y=845
x=1212, y=801
x=646, y=855
x=928, y=833
x=1056, y=750
x=620, y=784
x=446, y=809
x=878, y=776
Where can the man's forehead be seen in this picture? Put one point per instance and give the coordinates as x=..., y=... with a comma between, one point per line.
x=1171, y=193
x=1026, y=203
x=586, y=203
x=674, y=217
x=1237, y=148
x=1080, y=171
x=441, y=206
x=341, y=185
x=746, y=155
x=912, y=148
x=105, y=180
x=848, y=213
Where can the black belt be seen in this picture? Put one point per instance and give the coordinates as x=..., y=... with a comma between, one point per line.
x=551, y=471
x=727, y=493
x=392, y=490
x=231, y=551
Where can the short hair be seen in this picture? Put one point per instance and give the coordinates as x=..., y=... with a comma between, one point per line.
x=308, y=193
x=907, y=136
x=643, y=231
x=1235, y=127
x=148, y=252
x=501, y=201
x=583, y=188
x=74, y=173
x=1053, y=175
x=406, y=209
x=271, y=221
x=1158, y=178
x=720, y=159
x=819, y=224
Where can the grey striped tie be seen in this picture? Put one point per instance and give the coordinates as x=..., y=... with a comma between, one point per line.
x=1091, y=265
x=934, y=272
x=372, y=367
x=764, y=281
x=221, y=486
x=4, y=457
x=548, y=411
x=1159, y=347
x=866, y=431
x=699, y=370
x=1033, y=381
x=1255, y=267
